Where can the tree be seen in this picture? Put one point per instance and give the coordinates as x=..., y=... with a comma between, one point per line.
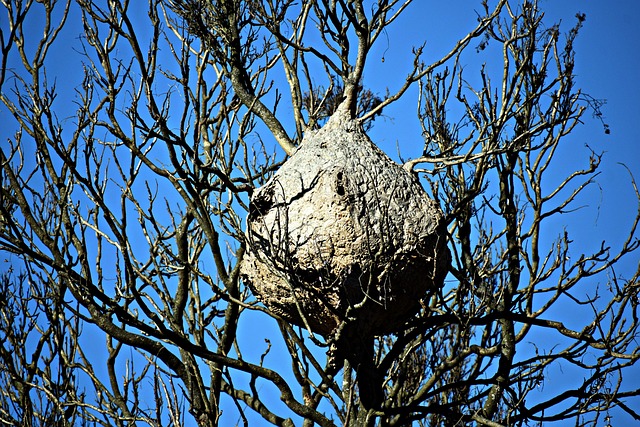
x=123, y=201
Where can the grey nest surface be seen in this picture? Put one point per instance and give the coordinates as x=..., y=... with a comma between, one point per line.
x=342, y=234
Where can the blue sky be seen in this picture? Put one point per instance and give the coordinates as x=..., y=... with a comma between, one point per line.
x=607, y=60
x=607, y=67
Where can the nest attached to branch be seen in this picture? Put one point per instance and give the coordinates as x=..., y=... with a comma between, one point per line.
x=342, y=234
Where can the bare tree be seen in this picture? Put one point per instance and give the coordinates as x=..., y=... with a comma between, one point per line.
x=123, y=201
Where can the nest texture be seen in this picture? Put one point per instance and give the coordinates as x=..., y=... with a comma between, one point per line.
x=341, y=234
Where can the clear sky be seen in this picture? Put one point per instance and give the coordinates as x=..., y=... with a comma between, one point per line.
x=607, y=54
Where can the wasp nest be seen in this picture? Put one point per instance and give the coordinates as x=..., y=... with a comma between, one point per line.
x=343, y=233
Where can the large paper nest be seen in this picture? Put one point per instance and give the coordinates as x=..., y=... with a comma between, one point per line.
x=341, y=233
